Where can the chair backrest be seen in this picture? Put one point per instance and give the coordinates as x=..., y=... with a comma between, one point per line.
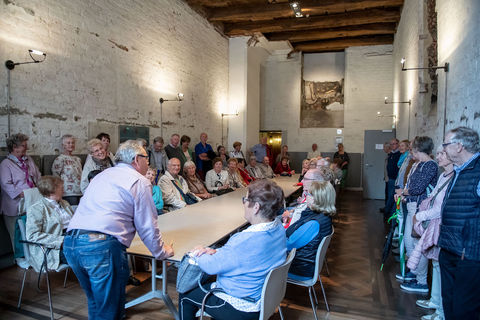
x=274, y=288
x=23, y=234
x=320, y=258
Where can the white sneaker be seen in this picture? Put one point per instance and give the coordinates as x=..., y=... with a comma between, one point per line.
x=434, y=316
x=22, y=263
x=426, y=304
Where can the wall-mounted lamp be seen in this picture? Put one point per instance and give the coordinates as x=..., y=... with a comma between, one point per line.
x=42, y=56
x=162, y=100
x=296, y=9
x=227, y=115
x=10, y=65
x=393, y=102
x=394, y=116
x=445, y=67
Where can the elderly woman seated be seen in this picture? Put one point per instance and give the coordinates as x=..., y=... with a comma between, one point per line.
x=235, y=180
x=243, y=263
x=195, y=184
x=98, y=159
x=311, y=227
x=47, y=219
x=216, y=179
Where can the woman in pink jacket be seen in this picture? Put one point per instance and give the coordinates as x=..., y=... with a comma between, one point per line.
x=17, y=173
x=430, y=212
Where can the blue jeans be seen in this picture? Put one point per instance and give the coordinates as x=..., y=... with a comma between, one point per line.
x=100, y=263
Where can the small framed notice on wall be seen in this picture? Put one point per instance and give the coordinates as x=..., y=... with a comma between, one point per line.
x=133, y=132
x=338, y=140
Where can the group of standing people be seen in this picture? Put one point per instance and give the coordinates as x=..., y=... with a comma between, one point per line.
x=439, y=219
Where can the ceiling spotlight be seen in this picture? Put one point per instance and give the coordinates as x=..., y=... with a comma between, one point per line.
x=180, y=96
x=296, y=9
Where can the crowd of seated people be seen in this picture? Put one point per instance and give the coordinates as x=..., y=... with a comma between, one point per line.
x=428, y=216
x=175, y=180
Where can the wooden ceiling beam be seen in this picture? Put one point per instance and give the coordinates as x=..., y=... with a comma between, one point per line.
x=332, y=33
x=265, y=11
x=340, y=44
x=227, y=3
x=330, y=21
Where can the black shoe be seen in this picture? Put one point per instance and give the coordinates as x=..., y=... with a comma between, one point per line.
x=382, y=210
x=134, y=281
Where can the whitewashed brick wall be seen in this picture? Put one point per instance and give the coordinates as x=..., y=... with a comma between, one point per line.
x=459, y=44
x=368, y=79
x=458, y=91
x=109, y=62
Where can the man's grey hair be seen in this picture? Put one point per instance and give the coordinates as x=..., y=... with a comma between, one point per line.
x=253, y=158
x=127, y=151
x=467, y=137
x=158, y=139
x=171, y=160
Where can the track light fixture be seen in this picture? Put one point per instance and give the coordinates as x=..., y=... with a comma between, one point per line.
x=296, y=9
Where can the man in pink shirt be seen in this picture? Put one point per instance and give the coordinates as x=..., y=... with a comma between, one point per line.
x=116, y=204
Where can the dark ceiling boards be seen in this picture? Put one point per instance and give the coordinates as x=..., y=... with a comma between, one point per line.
x=326, y=25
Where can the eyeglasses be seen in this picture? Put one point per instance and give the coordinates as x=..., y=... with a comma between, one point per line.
x=142, y=155
x=444, y=145
x=245, y=199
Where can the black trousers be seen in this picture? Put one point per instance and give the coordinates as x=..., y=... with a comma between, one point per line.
x=460, y=286
x=191, y=302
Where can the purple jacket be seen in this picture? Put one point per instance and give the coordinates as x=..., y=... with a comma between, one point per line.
x=13, y=182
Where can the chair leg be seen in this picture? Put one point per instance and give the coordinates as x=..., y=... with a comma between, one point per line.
x=49, y=296
x=326, y=267
x=280, y=312
x=21, y=290
x=315, y=295
x=314, y=306
x=65, y=280
x=324, y=295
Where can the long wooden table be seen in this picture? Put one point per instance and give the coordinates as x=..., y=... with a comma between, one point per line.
x=203, y=223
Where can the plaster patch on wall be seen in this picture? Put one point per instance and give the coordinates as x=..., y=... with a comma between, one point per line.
x=50, y=115
x=120, y=46
x=3, y=111
x=27, y=10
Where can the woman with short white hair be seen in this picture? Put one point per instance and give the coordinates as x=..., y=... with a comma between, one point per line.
x=69, y=168
x=98, y=160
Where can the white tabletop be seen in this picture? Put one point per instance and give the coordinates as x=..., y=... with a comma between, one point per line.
x=206, y=222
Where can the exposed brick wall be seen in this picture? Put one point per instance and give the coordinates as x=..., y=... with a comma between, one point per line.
x=109, y=62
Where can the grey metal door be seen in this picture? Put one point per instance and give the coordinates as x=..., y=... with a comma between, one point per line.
x=374, y=161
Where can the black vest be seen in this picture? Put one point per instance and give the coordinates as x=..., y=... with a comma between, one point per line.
x=460, y=228
x=304, y=262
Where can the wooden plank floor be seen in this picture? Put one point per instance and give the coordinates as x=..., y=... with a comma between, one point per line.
x=356, y=288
